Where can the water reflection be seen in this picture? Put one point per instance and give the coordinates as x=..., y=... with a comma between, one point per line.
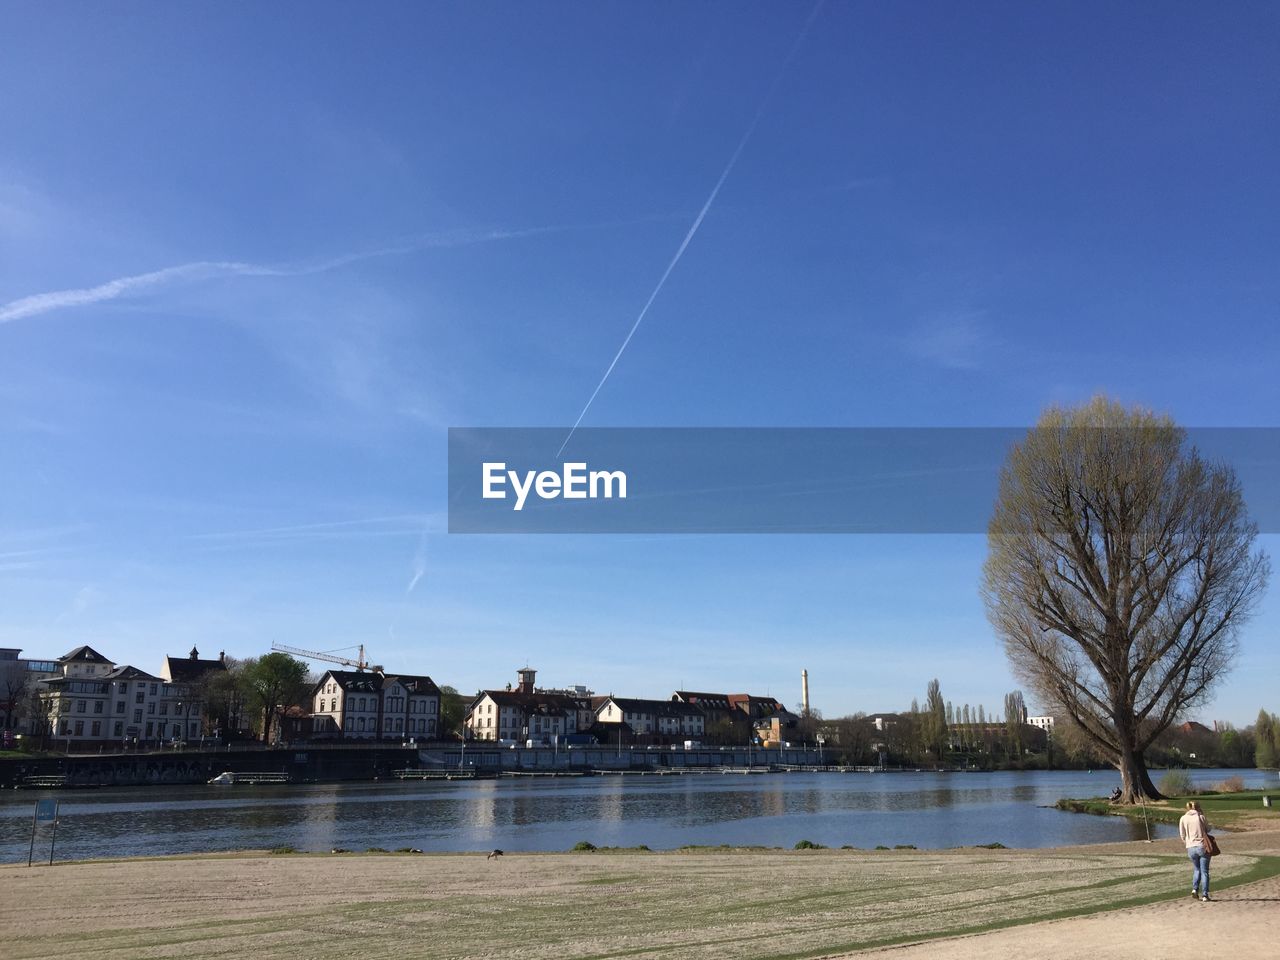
x=924, y=809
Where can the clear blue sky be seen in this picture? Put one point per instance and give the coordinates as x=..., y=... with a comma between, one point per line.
x=374, y=224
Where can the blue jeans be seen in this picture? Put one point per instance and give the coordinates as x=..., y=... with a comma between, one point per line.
x=1200, y=862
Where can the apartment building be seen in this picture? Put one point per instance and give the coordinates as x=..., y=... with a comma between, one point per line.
x=90, y=699
x=356, y=705
x=665, y=718
x=526, y=713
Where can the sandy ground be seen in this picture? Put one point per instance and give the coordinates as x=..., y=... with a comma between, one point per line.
x=1242, y=924
x=735, y=904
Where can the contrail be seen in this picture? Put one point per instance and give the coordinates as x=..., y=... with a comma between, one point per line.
x=697, y=221
x=44, y=302
x=40, y=303
x=419, y=561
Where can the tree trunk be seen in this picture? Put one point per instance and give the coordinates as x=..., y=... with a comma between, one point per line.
x=1135, y=782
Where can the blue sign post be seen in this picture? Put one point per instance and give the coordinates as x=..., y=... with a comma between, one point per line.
x=46, y=812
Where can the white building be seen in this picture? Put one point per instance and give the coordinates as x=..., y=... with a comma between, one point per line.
x=355, y=705
x=526, y=713
x=1044, y=723
x=668, y=718
x=90, y=699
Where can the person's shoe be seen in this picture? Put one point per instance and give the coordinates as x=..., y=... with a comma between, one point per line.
x=1195, y=894
x=1205, y=898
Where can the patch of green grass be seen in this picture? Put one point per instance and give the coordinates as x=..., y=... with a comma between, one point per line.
x=1221, y=809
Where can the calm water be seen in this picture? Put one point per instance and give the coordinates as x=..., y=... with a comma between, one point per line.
x=925, y=809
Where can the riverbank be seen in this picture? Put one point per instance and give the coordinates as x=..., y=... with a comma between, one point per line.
x=1238, y=810
x=686, y=904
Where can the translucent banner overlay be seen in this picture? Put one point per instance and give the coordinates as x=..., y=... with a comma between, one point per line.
x=766, y=480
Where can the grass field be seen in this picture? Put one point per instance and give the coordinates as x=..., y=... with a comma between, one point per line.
x=732, y=904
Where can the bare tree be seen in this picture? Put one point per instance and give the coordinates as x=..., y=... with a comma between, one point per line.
x=850, y=738
x=223, y=700
x=13, y=688
x=1120, y=569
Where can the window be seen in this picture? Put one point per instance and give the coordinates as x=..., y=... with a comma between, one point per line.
x=333, y=704
x=140, y=696
x=124, y=687
x=80, y=706
x=151, y=708
x=96, y=730
x=137, y=716
x=154, y=689
x=120, y=707
x=97, y=706
x=79, y=728
x=164, y=709
x=118, y=729
x=149, y=728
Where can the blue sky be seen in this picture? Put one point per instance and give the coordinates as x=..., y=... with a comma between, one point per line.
x=255, y=262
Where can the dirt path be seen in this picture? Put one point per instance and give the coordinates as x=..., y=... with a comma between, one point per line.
x=1241, y=924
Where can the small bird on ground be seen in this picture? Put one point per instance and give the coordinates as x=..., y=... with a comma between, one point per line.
x=496, y=853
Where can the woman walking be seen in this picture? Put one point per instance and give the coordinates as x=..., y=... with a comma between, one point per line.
x=1193, y=828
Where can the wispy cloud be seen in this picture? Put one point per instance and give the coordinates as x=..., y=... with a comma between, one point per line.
x=958, y=341
x=85, y=597
x=142, y=283
x=399, y=525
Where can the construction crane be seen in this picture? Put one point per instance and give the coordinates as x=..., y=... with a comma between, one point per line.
x=360, y=663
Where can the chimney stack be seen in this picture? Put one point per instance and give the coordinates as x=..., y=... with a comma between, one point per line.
x=804, y=693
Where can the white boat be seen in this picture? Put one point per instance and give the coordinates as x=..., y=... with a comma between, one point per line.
x=227, y=778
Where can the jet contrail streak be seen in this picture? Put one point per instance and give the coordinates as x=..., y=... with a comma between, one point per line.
x=697, y=221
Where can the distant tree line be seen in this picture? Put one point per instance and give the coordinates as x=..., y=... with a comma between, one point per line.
x=939, y=734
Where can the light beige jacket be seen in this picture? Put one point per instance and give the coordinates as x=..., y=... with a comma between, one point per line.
x=1192, y=828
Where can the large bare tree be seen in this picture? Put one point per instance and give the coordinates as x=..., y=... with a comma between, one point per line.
x=1121, y=567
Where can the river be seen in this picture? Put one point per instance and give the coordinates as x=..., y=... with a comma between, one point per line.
x=928, y=810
